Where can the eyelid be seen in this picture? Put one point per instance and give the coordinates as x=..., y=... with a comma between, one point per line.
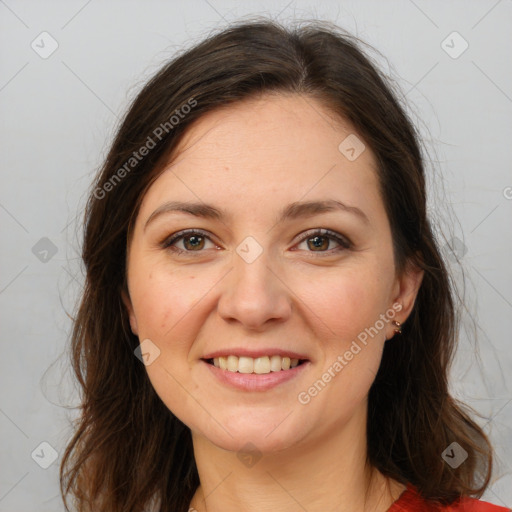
x=168, y=240
x=342, y=240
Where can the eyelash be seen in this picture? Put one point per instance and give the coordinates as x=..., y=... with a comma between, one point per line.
x=325, y=233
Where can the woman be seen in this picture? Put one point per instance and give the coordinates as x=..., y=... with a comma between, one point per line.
x=267, y=322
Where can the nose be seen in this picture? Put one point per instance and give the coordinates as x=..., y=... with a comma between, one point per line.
x=254, y=294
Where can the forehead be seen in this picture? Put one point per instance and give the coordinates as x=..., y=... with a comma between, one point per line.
x=267, y=150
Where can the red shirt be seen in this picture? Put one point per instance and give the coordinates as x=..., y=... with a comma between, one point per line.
x=411, y=501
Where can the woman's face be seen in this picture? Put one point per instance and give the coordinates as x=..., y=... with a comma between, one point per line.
x=254, y=279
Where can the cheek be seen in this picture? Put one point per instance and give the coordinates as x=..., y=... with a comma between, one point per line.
x=347, y=308
x=163, y=302
x=162, y=299
x=347, y=301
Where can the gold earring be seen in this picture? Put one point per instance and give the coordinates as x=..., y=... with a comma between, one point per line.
x=398, y=329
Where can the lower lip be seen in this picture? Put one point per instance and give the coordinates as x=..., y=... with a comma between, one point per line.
x=254, y=381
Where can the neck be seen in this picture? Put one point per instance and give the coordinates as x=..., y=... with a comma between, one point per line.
x=320, y=474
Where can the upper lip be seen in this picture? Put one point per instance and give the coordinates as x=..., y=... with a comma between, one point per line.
x=254, y=353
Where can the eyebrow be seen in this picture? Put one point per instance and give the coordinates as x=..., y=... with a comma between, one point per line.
x=292, y=211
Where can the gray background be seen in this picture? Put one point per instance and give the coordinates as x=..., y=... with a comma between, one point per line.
x=58, y=115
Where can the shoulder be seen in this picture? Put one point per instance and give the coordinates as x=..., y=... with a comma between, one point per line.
x=410, y=500
x=474, y=505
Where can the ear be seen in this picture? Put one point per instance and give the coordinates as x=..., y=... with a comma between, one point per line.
x=128, y=304
x=406, y=290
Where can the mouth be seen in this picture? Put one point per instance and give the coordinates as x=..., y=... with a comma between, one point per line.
x=257, y=365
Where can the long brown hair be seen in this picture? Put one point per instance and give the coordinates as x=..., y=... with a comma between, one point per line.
x=128, y=448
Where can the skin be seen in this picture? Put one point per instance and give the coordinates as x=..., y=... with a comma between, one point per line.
x=251, y=159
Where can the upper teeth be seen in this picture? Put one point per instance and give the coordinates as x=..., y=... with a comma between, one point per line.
x=265, y=364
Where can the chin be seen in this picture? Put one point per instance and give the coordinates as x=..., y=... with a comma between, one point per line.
x=265, y=433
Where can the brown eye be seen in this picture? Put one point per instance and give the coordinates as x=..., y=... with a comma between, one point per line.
x=319, y=241
x=192, y=241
